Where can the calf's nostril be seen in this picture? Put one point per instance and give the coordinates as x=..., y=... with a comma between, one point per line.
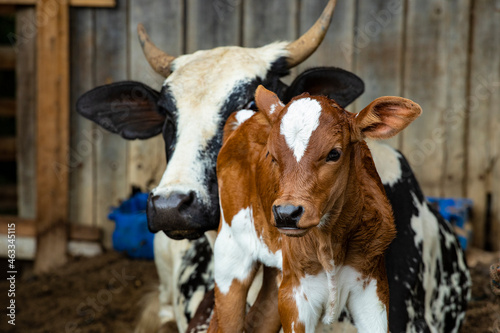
x=297, y=212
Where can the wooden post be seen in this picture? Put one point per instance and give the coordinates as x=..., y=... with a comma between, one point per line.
x=52, y=127
x=52, y=133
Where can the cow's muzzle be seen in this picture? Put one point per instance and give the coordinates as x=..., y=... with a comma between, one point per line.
x=175, y=214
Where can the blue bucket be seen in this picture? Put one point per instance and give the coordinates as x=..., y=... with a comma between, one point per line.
x=456, y=211
x=131, y=234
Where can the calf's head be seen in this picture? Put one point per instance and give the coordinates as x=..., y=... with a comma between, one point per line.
x=313, y=143
x=198, y=95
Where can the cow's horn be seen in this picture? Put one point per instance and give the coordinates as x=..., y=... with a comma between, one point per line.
x=159, y=60
x=303, y=47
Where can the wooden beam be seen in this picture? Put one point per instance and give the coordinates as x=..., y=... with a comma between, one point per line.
x=27, y=228
x=7, y=107
x=52, y=135
x=17, y=2
x=76, y=3
x=93, y=3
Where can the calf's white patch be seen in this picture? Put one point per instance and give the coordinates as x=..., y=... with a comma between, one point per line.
x=298, y=124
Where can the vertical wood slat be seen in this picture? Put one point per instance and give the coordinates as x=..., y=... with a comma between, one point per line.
x=430, y=80
x=146, y=158
x=454, y=118
x=84, y=134
x=377, y=50
x=111, y=63
x=269, y=21
x=337, y=47
x=212, y=23
x=483, y=141
x=52, y=133
x=265, y=22
x=26, y=113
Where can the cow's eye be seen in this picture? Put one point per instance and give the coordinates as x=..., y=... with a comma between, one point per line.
x=250, y=105
x=333, y=155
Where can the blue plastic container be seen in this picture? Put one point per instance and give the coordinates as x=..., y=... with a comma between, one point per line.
x=456, y=211
x=131, y=234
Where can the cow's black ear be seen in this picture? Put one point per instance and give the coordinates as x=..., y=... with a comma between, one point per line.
x=340, y=85
x=127, y=108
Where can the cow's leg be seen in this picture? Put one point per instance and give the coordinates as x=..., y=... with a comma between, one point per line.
x=167, y=263
x=230, y=300
x=263, y=315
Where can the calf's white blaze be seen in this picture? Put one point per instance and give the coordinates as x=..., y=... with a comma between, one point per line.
x=298, y=124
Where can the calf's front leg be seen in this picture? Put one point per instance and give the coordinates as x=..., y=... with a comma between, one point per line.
x=368, y=304
x=294, y=297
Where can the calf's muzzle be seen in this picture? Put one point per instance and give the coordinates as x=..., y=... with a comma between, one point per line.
x=287, y=216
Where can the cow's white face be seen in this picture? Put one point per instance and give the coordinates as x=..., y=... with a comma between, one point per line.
x=202, y=91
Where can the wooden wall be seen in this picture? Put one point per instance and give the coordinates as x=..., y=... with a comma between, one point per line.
x=444, y=54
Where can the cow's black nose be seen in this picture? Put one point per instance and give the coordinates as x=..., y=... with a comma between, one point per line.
x=164, y=212
x=287, y=216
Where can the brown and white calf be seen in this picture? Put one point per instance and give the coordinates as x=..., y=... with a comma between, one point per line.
x=300, y=194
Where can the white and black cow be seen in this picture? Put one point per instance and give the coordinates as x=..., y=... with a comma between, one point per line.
x=428, y=278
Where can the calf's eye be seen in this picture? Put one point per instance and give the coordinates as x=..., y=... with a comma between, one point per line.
x=333, y=155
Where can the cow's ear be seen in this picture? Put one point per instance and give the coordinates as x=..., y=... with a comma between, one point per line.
x=126, y=108
x=384, y=118
x=335, y=83
x=268, y=103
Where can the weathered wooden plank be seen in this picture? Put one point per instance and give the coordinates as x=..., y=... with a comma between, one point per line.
x=85, y=136
x=79, y=3
x=26, y=114
x=52, y=134
x=379, y=37
x=111, y=153
x=337, y=49
x=457, y=37
x=430, y=79
x=7, y=58
x=212, y=23
x=483, y=138
x=265, y=22
x=269, y=21
x=27, y=228
x=7, y=107
x=18, y=2
x=93, y=3
x=146, y=159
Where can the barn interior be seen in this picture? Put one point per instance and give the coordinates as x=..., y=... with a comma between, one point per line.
x=62, y=175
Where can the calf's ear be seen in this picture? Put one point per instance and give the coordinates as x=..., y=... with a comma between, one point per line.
x=384, y=118
x=125, y=108
x=268, y=103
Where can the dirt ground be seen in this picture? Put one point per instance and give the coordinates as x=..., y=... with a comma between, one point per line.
x=101, y=294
